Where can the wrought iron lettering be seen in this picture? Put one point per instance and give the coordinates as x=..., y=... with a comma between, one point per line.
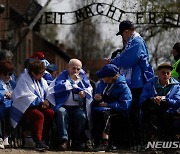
x=112, y=12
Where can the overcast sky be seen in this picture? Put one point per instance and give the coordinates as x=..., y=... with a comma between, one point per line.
x=108, y=27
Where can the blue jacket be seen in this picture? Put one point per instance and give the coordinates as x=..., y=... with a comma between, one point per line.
x=62, y=87
x=173, y=98
x=5, y=103
x=121, y=96
x=135, y=56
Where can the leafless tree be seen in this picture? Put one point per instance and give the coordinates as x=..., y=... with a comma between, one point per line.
x=86, y=39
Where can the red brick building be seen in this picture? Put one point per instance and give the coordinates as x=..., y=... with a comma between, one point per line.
x=13, y=25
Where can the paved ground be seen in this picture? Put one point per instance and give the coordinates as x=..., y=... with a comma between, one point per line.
x=25, y=151
x=33, y=151
x=124, y=150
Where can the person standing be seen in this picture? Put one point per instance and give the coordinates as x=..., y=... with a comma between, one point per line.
x=133, y=64
x=176, y=67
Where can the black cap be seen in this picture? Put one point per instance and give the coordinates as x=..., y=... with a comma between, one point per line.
x=125, y=25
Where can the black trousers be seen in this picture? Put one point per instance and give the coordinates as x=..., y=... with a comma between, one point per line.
x=134, y=114
x=100, y=124
x=110, y=122
x=160, y=122
x=121, y=131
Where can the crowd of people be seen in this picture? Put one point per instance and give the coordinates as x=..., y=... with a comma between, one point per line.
x=128, y=93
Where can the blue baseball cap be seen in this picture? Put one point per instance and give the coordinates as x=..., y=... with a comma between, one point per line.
x=109, y=70
x=52, y=67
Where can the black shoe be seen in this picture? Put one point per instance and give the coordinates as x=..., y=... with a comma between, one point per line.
x=113, y=148
x=101, y=148
x=41, y=146
x=63, y=146
x=78, y=147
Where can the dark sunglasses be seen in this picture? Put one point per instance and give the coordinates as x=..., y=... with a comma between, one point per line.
x=8, y=73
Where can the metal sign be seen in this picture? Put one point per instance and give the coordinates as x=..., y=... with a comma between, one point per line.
x=151, y=18
x=32, y=11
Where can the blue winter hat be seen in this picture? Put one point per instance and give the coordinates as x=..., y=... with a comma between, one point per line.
x=52, y=67
x=109, y=70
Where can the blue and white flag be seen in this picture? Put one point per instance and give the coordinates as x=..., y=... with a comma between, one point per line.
x=48, y=77
x=61, y=87
x=25, y=92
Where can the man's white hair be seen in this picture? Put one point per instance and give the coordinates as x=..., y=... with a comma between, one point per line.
x=75, y=61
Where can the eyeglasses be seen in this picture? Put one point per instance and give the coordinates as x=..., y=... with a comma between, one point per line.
x=8, y=73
